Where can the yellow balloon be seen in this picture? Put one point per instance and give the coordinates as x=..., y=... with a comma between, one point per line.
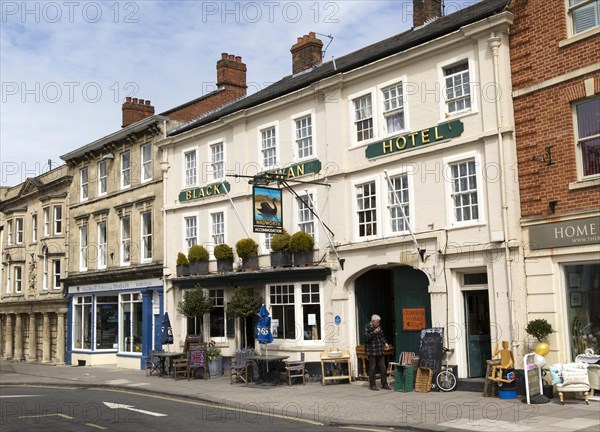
x=542, y=348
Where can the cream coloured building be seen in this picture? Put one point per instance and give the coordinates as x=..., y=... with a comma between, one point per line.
x=420, y=120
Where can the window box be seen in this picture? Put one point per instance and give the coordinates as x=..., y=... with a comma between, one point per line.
x=225, y=266
x=281, y=259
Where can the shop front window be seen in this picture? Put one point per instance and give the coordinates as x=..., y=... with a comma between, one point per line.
x=131, y=323
x=582, y=283
x=107, y=322
x=82, y=323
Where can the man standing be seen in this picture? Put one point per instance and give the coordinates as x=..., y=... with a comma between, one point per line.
x=375, y=346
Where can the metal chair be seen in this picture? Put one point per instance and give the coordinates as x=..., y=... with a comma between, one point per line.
x=295, y=369
x=180, y=366
x=241, y=366
x=153, y=363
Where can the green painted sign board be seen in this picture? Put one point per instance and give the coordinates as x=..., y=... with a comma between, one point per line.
x=207, y=191
x=296, y=170
x=400, y=143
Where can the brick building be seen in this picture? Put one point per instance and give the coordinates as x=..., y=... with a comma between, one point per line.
x=556, y=92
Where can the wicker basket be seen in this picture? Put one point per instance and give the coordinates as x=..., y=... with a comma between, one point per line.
x=423, y=382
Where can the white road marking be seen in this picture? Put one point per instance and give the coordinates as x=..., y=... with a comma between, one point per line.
x=132, y=408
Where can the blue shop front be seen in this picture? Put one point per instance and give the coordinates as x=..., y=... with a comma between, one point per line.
x=116, y=323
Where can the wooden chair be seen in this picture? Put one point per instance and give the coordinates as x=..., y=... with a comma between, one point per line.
x=405, y=359
x=241, y=366
x=153, y=363
x=295, y=369
x=180, y=366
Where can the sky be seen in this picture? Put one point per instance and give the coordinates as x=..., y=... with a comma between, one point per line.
x=67, y=66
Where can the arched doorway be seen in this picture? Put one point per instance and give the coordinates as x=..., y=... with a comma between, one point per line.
x=388, y=292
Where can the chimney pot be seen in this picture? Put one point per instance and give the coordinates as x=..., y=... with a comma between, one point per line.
x=135, y=100
x=300, y=40
x=142, y=101
x=128, y=99
x=238, y=59
x=312, y=35
x=147, y=102
x=231, y=57
x=223, y=55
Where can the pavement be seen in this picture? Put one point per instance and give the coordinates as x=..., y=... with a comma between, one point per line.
x=333, y=404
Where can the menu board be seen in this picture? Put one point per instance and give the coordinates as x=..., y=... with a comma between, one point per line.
x=533, y=377
x=431, y=348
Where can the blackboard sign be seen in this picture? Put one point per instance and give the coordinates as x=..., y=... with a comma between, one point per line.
x=431, y=349
x=198, y=358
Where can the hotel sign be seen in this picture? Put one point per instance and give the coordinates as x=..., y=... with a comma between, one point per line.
x=204, y=191
x=562, y=234
x=441, y=132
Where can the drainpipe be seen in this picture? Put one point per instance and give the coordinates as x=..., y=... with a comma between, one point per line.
x=494, y=42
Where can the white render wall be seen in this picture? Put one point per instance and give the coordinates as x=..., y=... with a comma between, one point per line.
x=345, y=165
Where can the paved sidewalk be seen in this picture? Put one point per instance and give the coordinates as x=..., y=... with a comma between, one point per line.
x=337, y=404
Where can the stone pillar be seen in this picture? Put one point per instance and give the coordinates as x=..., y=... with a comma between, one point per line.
x=3, y=317
x=60, y=338
x=32, y=342
x=8, y=347
x=18, y=338
x=46, y=334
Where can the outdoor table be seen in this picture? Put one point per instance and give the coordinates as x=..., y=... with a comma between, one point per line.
x=263, y=360
x=163, y=360
x=329, y=358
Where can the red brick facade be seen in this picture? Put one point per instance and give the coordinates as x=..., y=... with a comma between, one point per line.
x=544, y=109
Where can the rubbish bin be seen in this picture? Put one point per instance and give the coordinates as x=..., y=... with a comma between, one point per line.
x=404, y=379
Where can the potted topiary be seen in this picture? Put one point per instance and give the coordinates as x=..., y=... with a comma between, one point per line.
x=195, y=304
x=224, y=256
x=301, y=245
x=243, y=305
x=247, y=250
x=280, y=250
x=198, y=257
x=215, y=361
x=183, y=265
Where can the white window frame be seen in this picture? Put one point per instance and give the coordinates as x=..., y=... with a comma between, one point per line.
x=188, y=180
x=401, y=82
x=102, y=178
x=451, y=221
x=9, y=232
x=46, y=221
x=261, y=155
x=223, y=338
x=143, y=163
x=578, y=141
x=213, y=212
x=372, y=91
x=387, y=216
x=473, y=79
x=34, y=231
x=211, y=171
x=571, y=18
x=83, y=247
x=45, y=269
x=189, y=241
x=56, y=274
x=313, y=135
x=58, y=219
x=296, y=209
x=355, y=221
x=143, y=237
x=87, y=301
x=131, y=322
x=125, y=241
x=125, y=170
x=102, y=245
x=298, y=314
x=84, y=184
x=18, y=281
x=19, y=230
x=8, y=278
x=265, y=242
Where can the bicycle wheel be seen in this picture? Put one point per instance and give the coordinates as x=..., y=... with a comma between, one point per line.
x=446, y=381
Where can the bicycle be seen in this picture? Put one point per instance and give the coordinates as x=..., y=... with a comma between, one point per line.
x=446, y=380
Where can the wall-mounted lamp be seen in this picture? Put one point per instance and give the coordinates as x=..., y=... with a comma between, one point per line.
x=552, y=206
x=108, y=156
x=545, y=156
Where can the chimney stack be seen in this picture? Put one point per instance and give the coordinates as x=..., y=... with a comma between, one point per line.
x=231, y=74
x=306, y=53
x=135, y=109
x=424, y=10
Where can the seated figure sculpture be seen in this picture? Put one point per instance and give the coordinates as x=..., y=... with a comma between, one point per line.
x=506, y=362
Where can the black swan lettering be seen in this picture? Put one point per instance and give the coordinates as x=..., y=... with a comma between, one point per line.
x=266, y=209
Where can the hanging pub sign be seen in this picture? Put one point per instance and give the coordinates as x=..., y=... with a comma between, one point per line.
x=441, y=132
x=206, y=191
x=268, y=214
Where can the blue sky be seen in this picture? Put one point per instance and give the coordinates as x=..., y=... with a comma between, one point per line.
x=66, y=67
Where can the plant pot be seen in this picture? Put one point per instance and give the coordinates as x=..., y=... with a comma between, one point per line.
x=281, y=259
x=215, y=366
x=548, y=391
x=224, y=266
x=198, y=267
x=303, y=258
x=183, y=270
x=250, y=263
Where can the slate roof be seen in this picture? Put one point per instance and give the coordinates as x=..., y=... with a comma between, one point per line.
x=395, y=44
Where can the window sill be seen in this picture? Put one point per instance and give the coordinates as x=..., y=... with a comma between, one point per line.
x=579, y=36
x=585, y=183
x=459, y=115
x=466, y=225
